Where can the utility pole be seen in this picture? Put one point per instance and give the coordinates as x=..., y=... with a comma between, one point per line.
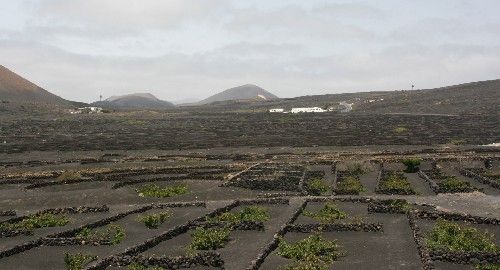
x=100, y=97
x=412, y=86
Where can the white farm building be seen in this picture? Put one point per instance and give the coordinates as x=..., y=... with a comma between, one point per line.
x=308, y=110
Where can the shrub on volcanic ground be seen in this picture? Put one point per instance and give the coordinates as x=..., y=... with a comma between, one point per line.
x=209, y=238
x=137, y=266
x=313, y=252
x=153, y=190
x=450, y=236
x=248, y=213
x=153, y=221
x=396, y=183
x=400, y=130
x=77, y=261
x=396, y=204
x=317, y=186
x=356, y=168
x=70, y=176
x=412, y=165
x=435, y=174
x=35, y=221
x=487, y=267
x=112, y=233
x=494, y=175
x=328, y=214
x=349, y=185
x=453, y=184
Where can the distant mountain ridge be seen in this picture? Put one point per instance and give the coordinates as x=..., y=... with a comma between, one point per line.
x=134, y=101
x=17, y=89
x=482, y=97
x=243, y=92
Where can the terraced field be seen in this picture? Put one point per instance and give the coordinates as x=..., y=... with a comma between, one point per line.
x=283, y=208
x=189, y=130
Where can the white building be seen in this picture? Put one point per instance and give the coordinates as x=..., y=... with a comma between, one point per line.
x=278, y=110
x=308, y=110
x=87, y=110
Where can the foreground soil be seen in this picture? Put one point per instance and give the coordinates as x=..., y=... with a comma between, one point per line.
x=97, y=188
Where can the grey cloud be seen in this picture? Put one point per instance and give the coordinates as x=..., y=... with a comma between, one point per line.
x=76, y=50
x=444, y=29
x=295, y=21
x=123, y=16
x=178, y=76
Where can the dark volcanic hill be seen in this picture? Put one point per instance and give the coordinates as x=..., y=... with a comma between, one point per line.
x=134, y=101
x=244, y=92
x=15, y=88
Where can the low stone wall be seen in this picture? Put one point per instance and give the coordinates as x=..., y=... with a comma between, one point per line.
x=466, y=257
x=456, y=217
x=274, y=243
x=352, y=199
x=434, y=186
x=480, y=178
x=152, y=242
x=8, y=213
x=74, y=241
x=208, y=259
x=76, y=210
x=423, y=251
x=20, y=248
x=55, y=211
x=378, y=207
x=335, y=227
x=428, y=255
x=239, y=226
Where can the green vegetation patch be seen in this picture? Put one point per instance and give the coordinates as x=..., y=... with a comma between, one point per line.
x=494, y=175
x=153, y=190
x=412, y=165
x=396, y=183
x=36, y=221
x=349, y=185
x=153, y=221
x=314, y=253
x=112, y=233
x=317, y=186
x=77, y=261
x=138, y=266
x=450, y=236
x=453, y=184
x=356, y=169
x=487, y=267
x=328, y=214
x=68, y=176
x=398, y=205
x=458, y=141
x=209, y=238
x=248, y=213
x=400, y=130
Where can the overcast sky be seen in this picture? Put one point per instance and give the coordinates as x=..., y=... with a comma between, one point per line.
x=179, y=49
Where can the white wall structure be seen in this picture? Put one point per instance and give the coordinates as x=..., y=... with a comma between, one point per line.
x=308, y=110
x=345, y=107
x=277, y=110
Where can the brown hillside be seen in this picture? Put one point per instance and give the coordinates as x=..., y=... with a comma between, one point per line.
x=15, y=88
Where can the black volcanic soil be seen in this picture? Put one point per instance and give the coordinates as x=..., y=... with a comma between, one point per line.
x=205, y=173
x=169, y=131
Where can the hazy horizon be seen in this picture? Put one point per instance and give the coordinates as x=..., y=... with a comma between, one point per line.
x=185, y=49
